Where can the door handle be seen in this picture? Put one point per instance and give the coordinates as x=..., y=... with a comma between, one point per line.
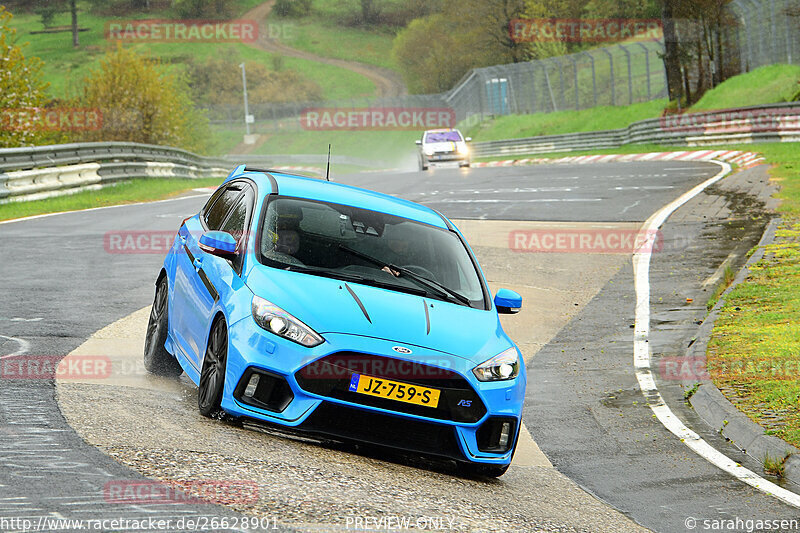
x=198, y=264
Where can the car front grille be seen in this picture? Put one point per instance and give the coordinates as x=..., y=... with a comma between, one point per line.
x=330, y=376
x=350, y=423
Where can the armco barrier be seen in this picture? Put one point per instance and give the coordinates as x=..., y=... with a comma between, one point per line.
x=43, y=171
x=768, y=123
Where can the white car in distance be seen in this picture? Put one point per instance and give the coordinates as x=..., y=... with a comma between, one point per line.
x=443, y=146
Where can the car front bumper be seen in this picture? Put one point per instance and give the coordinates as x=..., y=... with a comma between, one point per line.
x=449, y=157
x=465, y=426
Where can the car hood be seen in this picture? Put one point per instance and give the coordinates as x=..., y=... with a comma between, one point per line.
x=333, y=306
x=449, y=146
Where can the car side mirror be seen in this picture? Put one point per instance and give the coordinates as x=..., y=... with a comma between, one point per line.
x=468, y=139
x=418, y=142
x=219, y=243
x=507, y=302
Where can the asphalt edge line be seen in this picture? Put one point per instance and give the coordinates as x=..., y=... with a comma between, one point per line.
x=642, y=357
x=716, y=410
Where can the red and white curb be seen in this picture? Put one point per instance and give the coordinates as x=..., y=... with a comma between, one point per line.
x=736, y=157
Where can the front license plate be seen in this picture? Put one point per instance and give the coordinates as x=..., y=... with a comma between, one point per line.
x=393, y=390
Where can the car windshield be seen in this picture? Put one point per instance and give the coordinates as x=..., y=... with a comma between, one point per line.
x=442, y=136
x=368, y=247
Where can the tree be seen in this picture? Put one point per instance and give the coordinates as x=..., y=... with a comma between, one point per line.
x=74, y=12
x=140, y=100
x=672, y=60
x=22, y=90
x=434, y=54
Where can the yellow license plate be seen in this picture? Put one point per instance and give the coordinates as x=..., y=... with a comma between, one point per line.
x=393, y=390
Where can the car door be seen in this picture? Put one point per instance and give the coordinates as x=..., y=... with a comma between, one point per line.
x=195, y=293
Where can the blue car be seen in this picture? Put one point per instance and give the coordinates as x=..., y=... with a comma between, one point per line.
x=342, y=313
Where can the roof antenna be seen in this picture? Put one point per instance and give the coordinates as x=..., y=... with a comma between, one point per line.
x=328, y=169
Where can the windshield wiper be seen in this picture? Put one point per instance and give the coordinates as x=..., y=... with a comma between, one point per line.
x=344, y=276
x=447, y=292
x=327, y=273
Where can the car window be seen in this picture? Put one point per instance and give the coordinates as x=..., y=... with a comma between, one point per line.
x=216, y=214
x=337, y=238
x=442, y=136
x=236, y=222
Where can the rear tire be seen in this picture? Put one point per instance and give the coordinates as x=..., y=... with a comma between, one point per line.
x=212, y=377
x=157, y=360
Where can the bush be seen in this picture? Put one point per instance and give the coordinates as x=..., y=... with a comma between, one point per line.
x=219, y=82
x=142, y=101
x=212, y=9
x=432, y=55
x=21, y=89
x=292, y=8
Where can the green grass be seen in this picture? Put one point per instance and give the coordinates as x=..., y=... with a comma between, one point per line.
x=136, y=190
x=758, y=322
x=766, y=85
x=390, y=147
x=596, y=119
x=65, y=67
x=319, y=36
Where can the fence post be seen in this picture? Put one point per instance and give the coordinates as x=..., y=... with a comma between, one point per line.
x=613, y=81
x=571, y=57
x=647, y=69
x=594, y=78
x=549, y=87
x=630, y=74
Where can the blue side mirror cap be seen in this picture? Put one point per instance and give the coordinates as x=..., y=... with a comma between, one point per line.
x=218, y=243
x=507, y=302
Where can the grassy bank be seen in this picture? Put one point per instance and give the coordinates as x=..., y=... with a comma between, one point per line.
x=390, y=147
x=128, y=192
x=596, y=119
x=754, y=353
x=765, y=85
x=64, y=67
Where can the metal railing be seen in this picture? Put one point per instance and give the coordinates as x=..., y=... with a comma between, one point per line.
x=43, y=171
x=767, y=123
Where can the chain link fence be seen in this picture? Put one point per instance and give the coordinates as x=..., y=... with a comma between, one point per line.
x=768, y=32
x=763, y=32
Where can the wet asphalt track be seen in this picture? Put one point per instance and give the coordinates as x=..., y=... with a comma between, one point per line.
x=61, y=286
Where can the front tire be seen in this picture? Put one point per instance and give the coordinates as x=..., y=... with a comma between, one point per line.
x=212, y=377
x=157, y=360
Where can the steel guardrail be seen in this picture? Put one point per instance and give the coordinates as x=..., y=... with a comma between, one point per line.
x=765, y=123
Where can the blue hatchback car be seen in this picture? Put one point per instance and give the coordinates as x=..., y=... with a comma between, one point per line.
x=343, y=313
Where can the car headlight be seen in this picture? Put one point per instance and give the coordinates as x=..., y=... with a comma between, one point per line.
x=427, y=151
x=275, y=320
x=462, y=149
x=499, y=368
